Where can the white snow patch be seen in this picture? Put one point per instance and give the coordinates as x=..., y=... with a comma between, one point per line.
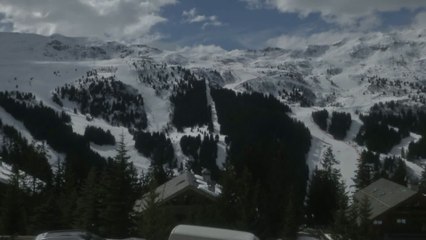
x=52, y=155
x=79, y=124
x=344, y=151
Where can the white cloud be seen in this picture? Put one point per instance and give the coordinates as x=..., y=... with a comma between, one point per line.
x=192, y=16
x=201, y=52
x=420, y=20
x=301, y=42
x=343, y=12
x=124, y=20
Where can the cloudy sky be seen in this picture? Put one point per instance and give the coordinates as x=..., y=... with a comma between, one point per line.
x=228, y=24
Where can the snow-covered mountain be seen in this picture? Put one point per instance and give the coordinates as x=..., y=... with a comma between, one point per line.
x=350, y=75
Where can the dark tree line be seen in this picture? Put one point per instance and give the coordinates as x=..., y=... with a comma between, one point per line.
x=422, y=184
x=155, y=146
x=22, y=155
x=417, y=149
x=161, y=76
x=370, y=169
x=45, y=124
x=99, y=136
x=326, y=195
x=340, y=122
x=328, y=206
x=379, y=131
x=159, y=149
x=202, y=152
x=395, y=114
x=114, y=101
x=190, y=105
x=377, y=136
x=321, y=118
x=268, y=148
x=102, y=203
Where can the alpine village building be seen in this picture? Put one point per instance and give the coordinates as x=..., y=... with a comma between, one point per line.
x=397, y=212
x=184, y=196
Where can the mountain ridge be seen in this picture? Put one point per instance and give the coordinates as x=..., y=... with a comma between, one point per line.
x=349, y=75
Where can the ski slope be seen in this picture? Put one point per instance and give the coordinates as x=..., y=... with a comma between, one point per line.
x=345, y=151
x=331, y=76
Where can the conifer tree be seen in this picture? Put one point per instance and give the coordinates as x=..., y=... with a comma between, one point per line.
x=400, y=173
x=364, y=218
x=363, y=174
x=238, y=201
x=119, y=191
x=88, y=205
x=326, y=192
x=341, y=219
x=13, y=218
x=153, y=221
x=67, y=196
x=320, y=118
x=328, y=164
x=422, y=184
x=352, y=218
x=291, y=217
x=47, y=215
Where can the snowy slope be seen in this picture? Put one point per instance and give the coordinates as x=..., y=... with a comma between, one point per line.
x=340, y=76
x=344, y=151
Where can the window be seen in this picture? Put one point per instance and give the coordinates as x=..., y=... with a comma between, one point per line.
x=401, y=221
x=377, y=222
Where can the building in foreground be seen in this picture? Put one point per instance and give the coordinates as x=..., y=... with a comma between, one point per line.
x=397, y=212
x=184, y=196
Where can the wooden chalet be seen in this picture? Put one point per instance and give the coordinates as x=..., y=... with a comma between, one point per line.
x=184, y=196
x=397, y=212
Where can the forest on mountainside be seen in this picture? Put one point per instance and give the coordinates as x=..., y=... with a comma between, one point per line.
x=105, y=97
x=190, y=106
x=264, y=180
x=267, y=148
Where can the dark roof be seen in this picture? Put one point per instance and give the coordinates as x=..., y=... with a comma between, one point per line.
x=384, y=195
x=174, y=187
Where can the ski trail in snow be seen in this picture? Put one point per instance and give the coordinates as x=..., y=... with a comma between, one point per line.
x=216, y=125
x=157, y=108
x=181, y=158
x=242, y=78
x=221, y=145
x=7, y=119
x=345, y=153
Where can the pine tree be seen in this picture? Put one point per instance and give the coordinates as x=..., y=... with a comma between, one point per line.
x=326, y=192
x=422, y=184
x=47, y=215
x=88, y=205
x=153, y=220
x=329, y=162
x=400, y=174
x=13, y=217
x=341, y=219
x=352, y=218
x=364, y=218
x=119, y=191
x=238, y=202
x=67, y=197
x=363, y=174
x=291, y=215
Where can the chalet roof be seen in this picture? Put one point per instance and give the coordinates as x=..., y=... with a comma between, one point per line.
x=384, y=195
x=177, y=185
